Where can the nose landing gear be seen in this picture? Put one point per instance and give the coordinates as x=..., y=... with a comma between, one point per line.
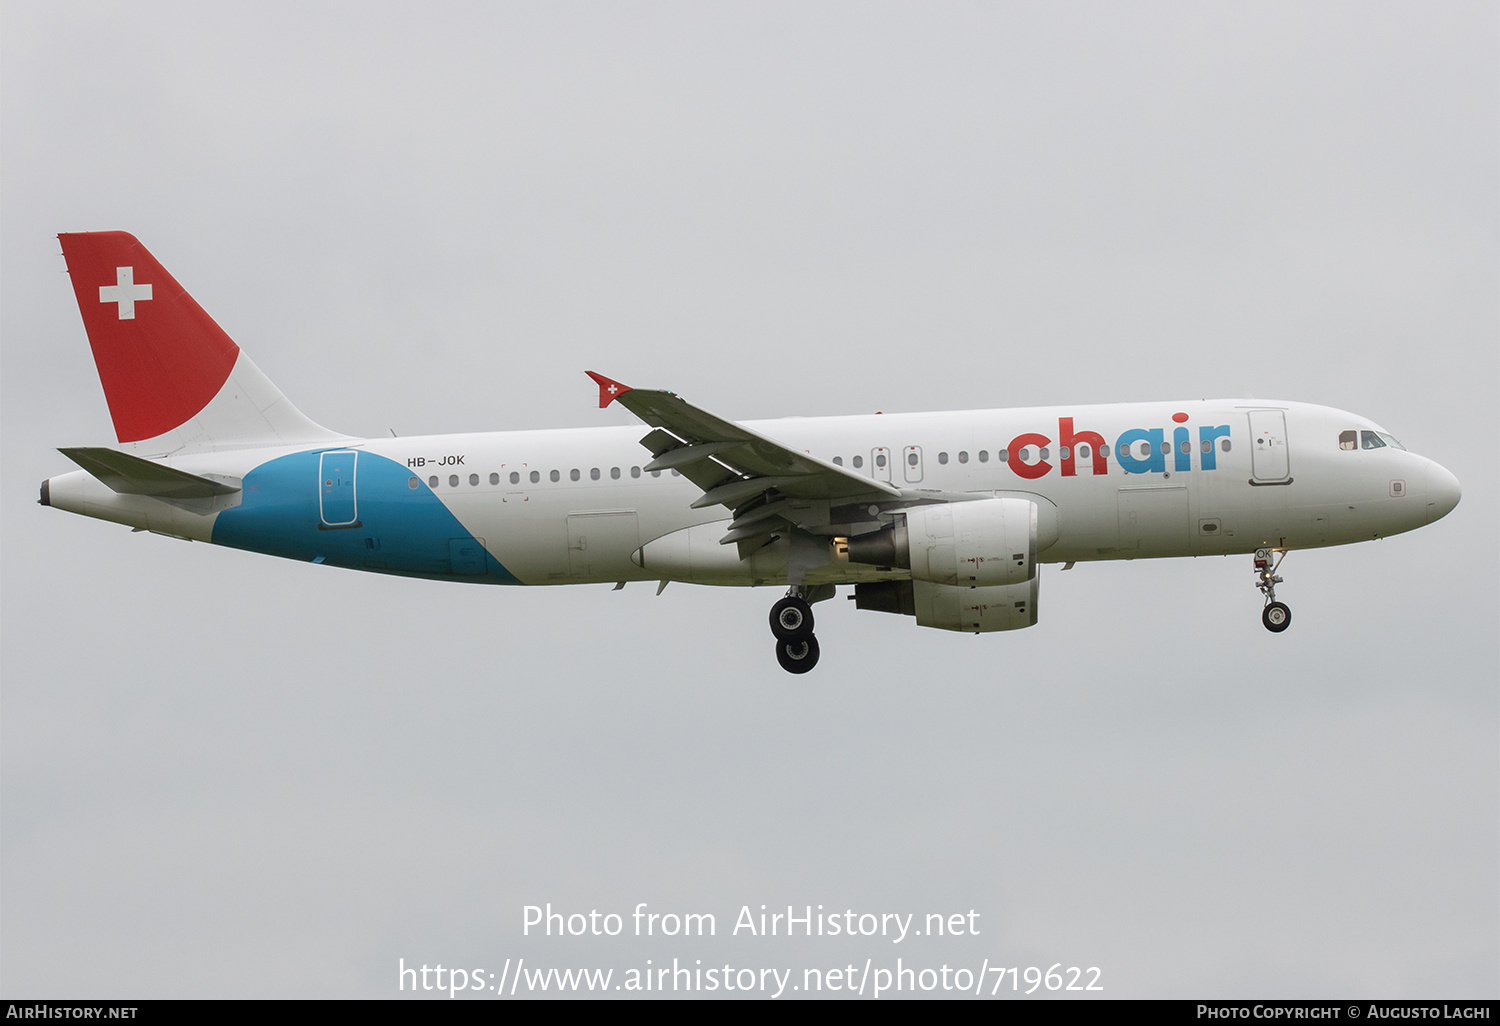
x=792, y=623
x=1276, y=616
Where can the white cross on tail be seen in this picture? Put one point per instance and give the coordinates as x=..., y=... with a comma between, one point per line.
x=125, y=292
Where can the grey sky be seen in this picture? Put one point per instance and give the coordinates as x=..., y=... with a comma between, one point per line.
x=230, y=775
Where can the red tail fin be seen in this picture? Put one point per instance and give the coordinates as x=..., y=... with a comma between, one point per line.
x=161, y=358
x=163, y=361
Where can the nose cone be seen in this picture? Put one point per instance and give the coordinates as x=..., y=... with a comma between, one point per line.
x=1442, y=492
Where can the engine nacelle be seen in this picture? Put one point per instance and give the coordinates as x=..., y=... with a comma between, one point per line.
x=1003, y=607
x=980, y=544
x=955, y=607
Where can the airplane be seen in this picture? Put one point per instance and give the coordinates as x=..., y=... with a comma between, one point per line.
x=943, y=517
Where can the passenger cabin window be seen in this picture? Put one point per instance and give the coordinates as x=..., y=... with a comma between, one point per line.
x=859, y=461
x=838, y=461
x=614, y=473
x=593, y=473
x=943, y=458
x=984, y=455
x=432, y=481
x=536, y=475
x=963, y=457
x=515, y=477
x=635, y=471
x=473, y=480
x=452, y=480
x=1348, y=439
x=555, y=476
x=494, y=479
x=573, y=474
x=412, y=482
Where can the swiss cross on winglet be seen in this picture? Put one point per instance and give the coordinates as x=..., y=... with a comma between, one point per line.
x=609, y=390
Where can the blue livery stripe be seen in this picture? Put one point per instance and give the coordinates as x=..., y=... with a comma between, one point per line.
x=401, y=530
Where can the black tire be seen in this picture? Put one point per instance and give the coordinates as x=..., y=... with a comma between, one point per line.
x=1277, y=617
x=791, y=619
x=797, y=656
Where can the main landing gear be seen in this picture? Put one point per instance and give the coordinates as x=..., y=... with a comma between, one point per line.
x=792, y=623
x=1276, y=616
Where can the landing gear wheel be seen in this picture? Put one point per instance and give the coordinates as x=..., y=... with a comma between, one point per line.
x=792, y=620
x=1276, y=616
x=797, y=656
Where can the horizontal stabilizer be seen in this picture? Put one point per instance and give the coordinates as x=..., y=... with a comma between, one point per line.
x=132, y=475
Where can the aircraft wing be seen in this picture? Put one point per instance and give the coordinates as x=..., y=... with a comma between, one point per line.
x=735, y=467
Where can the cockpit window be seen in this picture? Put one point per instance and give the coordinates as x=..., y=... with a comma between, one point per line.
x=1348, y=439
x=1371, y=440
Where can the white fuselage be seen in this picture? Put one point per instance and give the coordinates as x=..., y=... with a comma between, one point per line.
x=573, y=506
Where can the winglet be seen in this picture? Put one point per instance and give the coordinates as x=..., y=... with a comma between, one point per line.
x=609, y=390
